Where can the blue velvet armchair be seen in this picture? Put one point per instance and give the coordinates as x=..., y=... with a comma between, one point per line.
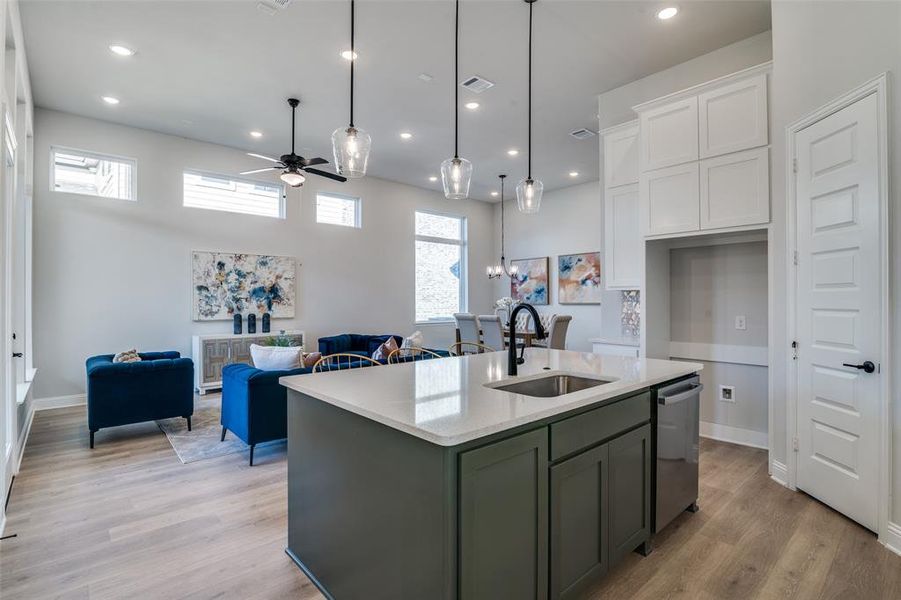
x=354, y=343
x=160, y=386
x=254, y=404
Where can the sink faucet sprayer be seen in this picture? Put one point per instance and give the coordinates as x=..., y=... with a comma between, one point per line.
x=513, y=361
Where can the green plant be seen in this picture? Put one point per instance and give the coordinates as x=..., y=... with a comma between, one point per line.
x=279, y=340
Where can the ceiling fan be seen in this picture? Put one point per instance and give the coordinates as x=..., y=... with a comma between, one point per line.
x=294, y=166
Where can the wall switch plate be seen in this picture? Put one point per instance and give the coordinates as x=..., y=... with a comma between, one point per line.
x=727, y=393
x=741, y=322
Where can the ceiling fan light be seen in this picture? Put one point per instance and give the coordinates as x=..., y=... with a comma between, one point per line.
x=528, y=195
x=350, y=147
x=456, y=175
x=292, y=178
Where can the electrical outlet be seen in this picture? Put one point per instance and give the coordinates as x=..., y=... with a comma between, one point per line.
x=741, y=323
x=727, y=393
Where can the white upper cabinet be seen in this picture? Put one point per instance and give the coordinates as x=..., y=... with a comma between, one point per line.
x=621, y=155
x=733, y=117
x=669, y=134
x=669, y=200
x=735, y=189
x=622, y=238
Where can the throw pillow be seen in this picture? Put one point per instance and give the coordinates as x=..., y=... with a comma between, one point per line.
x=127, y=357
x=414, y=340
x=385, y=349
x=310, y=359
x=276, y=358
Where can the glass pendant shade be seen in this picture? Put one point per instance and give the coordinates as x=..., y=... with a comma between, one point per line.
x=456, y=175
x=292, y=178
x=528, y=195
x=351, y=149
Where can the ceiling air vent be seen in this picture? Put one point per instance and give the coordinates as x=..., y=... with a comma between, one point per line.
x=270, y=7
x=476, y=84
x=582, y=134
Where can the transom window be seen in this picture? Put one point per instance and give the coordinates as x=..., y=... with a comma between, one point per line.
x=233, y=194
x=440, y=266
x=337, y=209
x=91, y=174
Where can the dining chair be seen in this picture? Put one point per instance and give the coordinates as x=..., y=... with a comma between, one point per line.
x=463, y=348
x=492, y=330
x=341, y=361
x=557, y=328
x=402, y=355
x=468, y=327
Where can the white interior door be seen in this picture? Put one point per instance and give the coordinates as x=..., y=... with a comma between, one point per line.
x=839, y=310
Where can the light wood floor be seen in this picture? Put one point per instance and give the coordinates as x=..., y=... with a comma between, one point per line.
x=128, y=520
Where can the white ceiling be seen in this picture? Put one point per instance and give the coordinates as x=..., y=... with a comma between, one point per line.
x=214, y=70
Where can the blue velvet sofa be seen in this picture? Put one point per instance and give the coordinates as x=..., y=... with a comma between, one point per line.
x=160, y=386
x=354, y=343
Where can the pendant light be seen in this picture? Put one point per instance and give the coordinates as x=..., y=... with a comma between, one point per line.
x=350, y=145
x=529, y=191
x=456, y=172
x=495, y=271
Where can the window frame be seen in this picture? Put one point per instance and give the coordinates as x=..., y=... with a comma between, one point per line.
x=463, y=243
x=99, y=156
x=282, y=198
x=358, y=209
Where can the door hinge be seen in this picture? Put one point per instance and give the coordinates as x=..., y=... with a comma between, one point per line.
x=795, y=445
x=795, y=258
x=794, y=165
x=794, y=350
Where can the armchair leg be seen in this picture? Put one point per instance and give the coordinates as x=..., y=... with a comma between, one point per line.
x=92, y=439
x=222, y=437
x=188, y=419
x=251, y=454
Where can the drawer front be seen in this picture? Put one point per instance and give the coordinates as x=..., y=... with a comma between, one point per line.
x=587, y=429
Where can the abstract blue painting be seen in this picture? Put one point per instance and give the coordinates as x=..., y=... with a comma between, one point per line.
x=226, y=284
x=530, y=283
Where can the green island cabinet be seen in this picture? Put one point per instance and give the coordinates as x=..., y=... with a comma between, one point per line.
x=540, y=511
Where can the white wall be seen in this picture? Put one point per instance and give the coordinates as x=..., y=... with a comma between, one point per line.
x=111, y=274
x=570, y=222
x=820, y=51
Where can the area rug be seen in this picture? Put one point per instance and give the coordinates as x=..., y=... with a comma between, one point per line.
x=202, y=441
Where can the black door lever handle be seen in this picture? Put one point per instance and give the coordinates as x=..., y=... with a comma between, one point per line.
x=866, y=367
x=18, y=355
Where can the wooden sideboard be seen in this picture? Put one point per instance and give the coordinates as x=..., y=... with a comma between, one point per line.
x=212, y=352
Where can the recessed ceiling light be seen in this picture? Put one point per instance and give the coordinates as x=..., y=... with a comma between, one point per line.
x=495, y=194
x=512, y=151
x=256, y=134
x=472, y=105
x=121, y=50
x=667, y=13
x=433, y=178
x=110, y=99
x=573, y=173
x=348, y=55
x=425, y=77
x=405, y=135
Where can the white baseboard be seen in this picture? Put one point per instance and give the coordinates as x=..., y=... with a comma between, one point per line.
x=2, y=519
x=23, y=439
x=734, y=435
x=892, y=538
x=60, y=401
x=779, y=472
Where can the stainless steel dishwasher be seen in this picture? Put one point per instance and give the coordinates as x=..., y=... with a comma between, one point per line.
x=678, y=412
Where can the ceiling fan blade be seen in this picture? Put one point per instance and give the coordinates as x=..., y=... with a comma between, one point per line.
x=269, y=158
x=260, y=170
x=309, y=162
x=325, y=174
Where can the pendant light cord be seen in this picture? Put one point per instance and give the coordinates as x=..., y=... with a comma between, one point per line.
x=353, y=59
x=456, y=79
x=503, y=258
x=530, y=91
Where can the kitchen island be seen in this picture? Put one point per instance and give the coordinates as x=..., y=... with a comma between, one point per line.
x=428, y=480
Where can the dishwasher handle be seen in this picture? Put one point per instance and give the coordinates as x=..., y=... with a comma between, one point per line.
x=695, y=389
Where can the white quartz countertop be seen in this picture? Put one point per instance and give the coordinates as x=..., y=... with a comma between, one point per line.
x=616, y=341
x=446, y=402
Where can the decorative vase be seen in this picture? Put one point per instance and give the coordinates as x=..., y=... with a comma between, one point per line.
x=251, y=323
x=238, y=321
x=266, y=323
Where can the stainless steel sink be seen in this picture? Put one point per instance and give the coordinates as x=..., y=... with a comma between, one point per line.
x=552, y=385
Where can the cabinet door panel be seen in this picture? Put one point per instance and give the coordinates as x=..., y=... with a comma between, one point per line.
x=622, y=242
x=621, y=157
x=669, y=134
x=735, y=189
x=579, y=538
x=733, y=117
x=630, y=491
x=215, y=356
x=669, y=200
x=504, y=519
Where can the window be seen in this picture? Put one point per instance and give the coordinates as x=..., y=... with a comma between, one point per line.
x=335, y=209
x=440, y=267
x=79, y=172
x=232, y=194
